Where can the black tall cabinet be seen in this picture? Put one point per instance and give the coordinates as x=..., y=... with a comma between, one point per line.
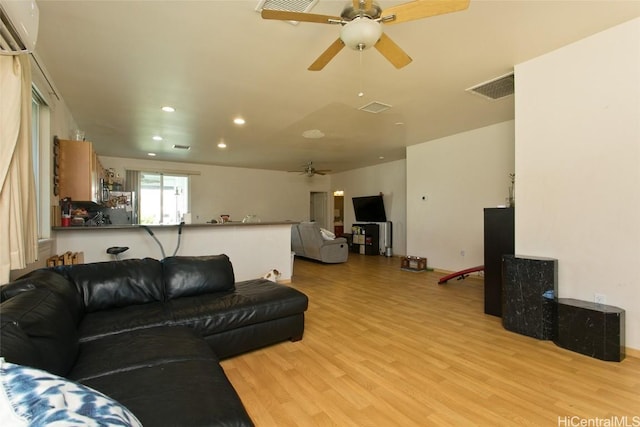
x=499, y=240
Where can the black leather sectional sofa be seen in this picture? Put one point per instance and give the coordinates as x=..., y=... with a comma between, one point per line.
x=148, y=333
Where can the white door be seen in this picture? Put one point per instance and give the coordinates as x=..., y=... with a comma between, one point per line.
x=318, y=208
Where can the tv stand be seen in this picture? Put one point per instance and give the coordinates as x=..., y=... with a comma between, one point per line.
x=366, y=239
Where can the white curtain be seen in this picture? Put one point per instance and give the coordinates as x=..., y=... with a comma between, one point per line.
x=18, y=227
x=132, y=181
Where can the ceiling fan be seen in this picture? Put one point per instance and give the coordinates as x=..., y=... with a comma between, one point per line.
x=309, y=170
x=362, y=21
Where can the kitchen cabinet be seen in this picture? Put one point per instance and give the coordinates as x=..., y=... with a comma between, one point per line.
x=79, y=171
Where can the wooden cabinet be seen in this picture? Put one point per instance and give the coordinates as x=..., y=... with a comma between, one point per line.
x=80, y=171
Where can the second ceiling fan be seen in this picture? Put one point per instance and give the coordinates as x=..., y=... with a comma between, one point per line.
x=362, y=23
x=309, y=170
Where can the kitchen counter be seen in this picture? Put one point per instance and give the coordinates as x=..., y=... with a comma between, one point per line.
x=254, y=248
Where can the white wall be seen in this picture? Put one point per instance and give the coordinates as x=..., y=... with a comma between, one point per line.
x=217, y=190
x=578, y=167
x=386, y=178
x=449, y=183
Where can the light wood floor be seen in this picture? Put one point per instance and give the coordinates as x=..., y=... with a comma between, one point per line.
x=386, y=347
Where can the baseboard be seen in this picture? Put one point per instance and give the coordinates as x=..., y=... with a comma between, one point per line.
x=632, y=352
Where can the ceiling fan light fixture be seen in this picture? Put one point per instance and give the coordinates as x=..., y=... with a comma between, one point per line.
x=313, y=134
x=361, y=33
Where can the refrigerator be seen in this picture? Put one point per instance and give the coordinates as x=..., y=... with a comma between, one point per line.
x=121, y=208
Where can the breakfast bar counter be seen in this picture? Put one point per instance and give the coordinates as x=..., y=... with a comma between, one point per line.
x=254, y=247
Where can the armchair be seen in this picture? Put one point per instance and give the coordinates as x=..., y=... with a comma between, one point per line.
x=307, y=241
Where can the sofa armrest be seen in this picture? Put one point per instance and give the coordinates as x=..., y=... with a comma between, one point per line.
x=334, y=251
x=38, y=330
x=336, y=241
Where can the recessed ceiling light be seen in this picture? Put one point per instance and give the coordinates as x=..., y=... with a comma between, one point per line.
x=239, y=121
x=168, y=109
x=222, y=145
x=151, y=154
x=157, y=138
x=381, y=157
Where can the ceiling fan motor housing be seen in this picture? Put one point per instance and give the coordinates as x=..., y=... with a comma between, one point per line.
x=349, y=12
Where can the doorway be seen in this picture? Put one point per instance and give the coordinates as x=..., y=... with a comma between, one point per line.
x=338, y=214
x=318, y=208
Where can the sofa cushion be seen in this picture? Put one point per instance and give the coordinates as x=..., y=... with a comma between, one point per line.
x=46, y=323
x=252, y=301
x=47, y=278
x=123, y=319
x=137, y=349
x=186, y=276
x=109, y=284
x=182, y=393
x=17, y=347
x=31, y=397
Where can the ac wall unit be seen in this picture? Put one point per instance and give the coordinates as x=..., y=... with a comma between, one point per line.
x=18, y=26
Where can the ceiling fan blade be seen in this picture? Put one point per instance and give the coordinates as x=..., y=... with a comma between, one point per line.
x=390, y=50
x=285, y=15
x=327, y=55
x=419, y=9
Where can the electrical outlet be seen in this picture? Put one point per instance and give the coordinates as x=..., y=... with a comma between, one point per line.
x=462, y=253
x=599, y=298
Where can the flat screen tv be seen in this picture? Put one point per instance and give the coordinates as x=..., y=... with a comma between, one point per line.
x=369, y=209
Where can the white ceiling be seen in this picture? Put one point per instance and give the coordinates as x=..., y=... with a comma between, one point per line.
x=116, y=63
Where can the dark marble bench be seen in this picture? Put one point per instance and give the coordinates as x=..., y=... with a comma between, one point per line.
x=596, y=330
x=530, y=308
x=529, y=287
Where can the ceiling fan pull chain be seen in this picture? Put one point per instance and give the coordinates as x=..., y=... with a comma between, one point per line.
x=361, y=93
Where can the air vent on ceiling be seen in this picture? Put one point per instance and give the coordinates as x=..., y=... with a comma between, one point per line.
x=496, y=88
x=181, y=147
x=288, y=5
x=375, y=107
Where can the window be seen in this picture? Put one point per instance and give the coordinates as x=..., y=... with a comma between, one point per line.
x=163, y=198
x=41, y=168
